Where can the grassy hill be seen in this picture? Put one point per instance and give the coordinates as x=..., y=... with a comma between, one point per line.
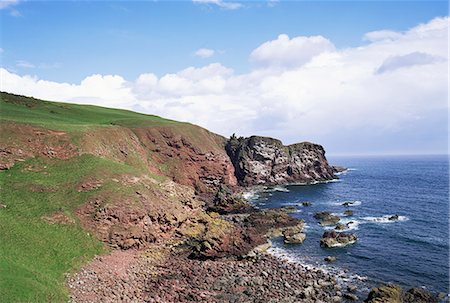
x=50, y=150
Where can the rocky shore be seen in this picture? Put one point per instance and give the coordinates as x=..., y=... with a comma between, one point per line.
x=169, y=277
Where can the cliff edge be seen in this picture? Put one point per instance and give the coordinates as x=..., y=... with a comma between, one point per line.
x=266, y=161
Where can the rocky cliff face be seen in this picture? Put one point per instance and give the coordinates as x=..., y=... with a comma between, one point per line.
x=262, y=160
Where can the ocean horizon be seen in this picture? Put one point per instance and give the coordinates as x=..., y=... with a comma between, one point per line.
x=411, y=251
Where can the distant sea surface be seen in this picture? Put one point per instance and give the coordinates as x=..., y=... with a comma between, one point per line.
x=412, y=251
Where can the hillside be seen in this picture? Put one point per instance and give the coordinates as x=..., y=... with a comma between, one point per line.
x=79, y=181
x=59, y=160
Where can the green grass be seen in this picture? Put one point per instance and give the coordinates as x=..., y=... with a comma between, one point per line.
x=34, y=255
x=71, y=117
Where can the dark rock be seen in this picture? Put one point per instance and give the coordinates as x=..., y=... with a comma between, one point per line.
x=227, y=202
x=351, y=297
x=340, y=226
x=352, y=288
x=393, y=218
x=419, y=295
x=339, y=169
x=306, y=203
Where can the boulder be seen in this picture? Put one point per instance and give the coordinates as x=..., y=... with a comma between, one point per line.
x=394, y=294
x=330, y=259
x=348, y=212
x=340, y=226
x=385, y=294
x=326, y=218
x=393, y=218
x=419, y=295
x=294, y=234
x=334, y=239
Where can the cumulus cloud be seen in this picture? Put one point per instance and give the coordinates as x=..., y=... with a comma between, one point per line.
x=381, y=35
x=388, y=95
x=415, y=58
x=220, y=3
x=204, y=52
x=286, y=52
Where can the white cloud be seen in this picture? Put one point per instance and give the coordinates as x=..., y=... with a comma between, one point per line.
x=285, y=52
x=381, y=35
x=411, y=59
x=387, y=95
x=24, y=64
x=8, y=3
x=220, y=3
x=204, y=53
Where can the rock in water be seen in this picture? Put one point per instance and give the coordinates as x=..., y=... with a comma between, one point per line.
x=330, y=258
x=306, y=203
x=418, y=295
x=334, y=239
x=263, y=160
x=393, y=294
x=385, y=294
x=326, y=218
x=393, y=218
x=348, y=212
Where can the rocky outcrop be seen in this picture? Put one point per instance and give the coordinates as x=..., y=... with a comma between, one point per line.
x=333, y=239
x=326, y=218
x=394, y=294
x=262, y=160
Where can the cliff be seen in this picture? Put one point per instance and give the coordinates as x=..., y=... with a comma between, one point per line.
x=262, y=160
x=79, y=180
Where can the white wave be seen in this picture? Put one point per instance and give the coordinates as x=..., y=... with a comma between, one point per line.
x=385, y=219
x=350, y=203
x=281, y=189
x=271, y=189
x=250, y=195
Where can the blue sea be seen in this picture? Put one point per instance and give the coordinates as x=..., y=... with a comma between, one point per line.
x=412, y=251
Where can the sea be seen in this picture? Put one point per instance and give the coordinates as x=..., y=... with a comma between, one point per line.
x=412, y=251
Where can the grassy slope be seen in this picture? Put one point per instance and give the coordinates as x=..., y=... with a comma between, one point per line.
x=34, y=255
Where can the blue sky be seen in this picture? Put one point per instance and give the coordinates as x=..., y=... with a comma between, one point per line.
x=71, y=40
x=360, y=77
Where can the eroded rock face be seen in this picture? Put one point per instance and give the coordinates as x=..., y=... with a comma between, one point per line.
x=262, y=160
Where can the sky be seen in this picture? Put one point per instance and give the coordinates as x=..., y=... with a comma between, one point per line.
x=358, y=77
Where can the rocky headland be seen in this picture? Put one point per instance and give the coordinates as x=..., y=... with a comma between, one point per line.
x=165, y=198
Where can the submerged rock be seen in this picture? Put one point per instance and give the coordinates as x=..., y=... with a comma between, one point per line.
x=334, y=239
